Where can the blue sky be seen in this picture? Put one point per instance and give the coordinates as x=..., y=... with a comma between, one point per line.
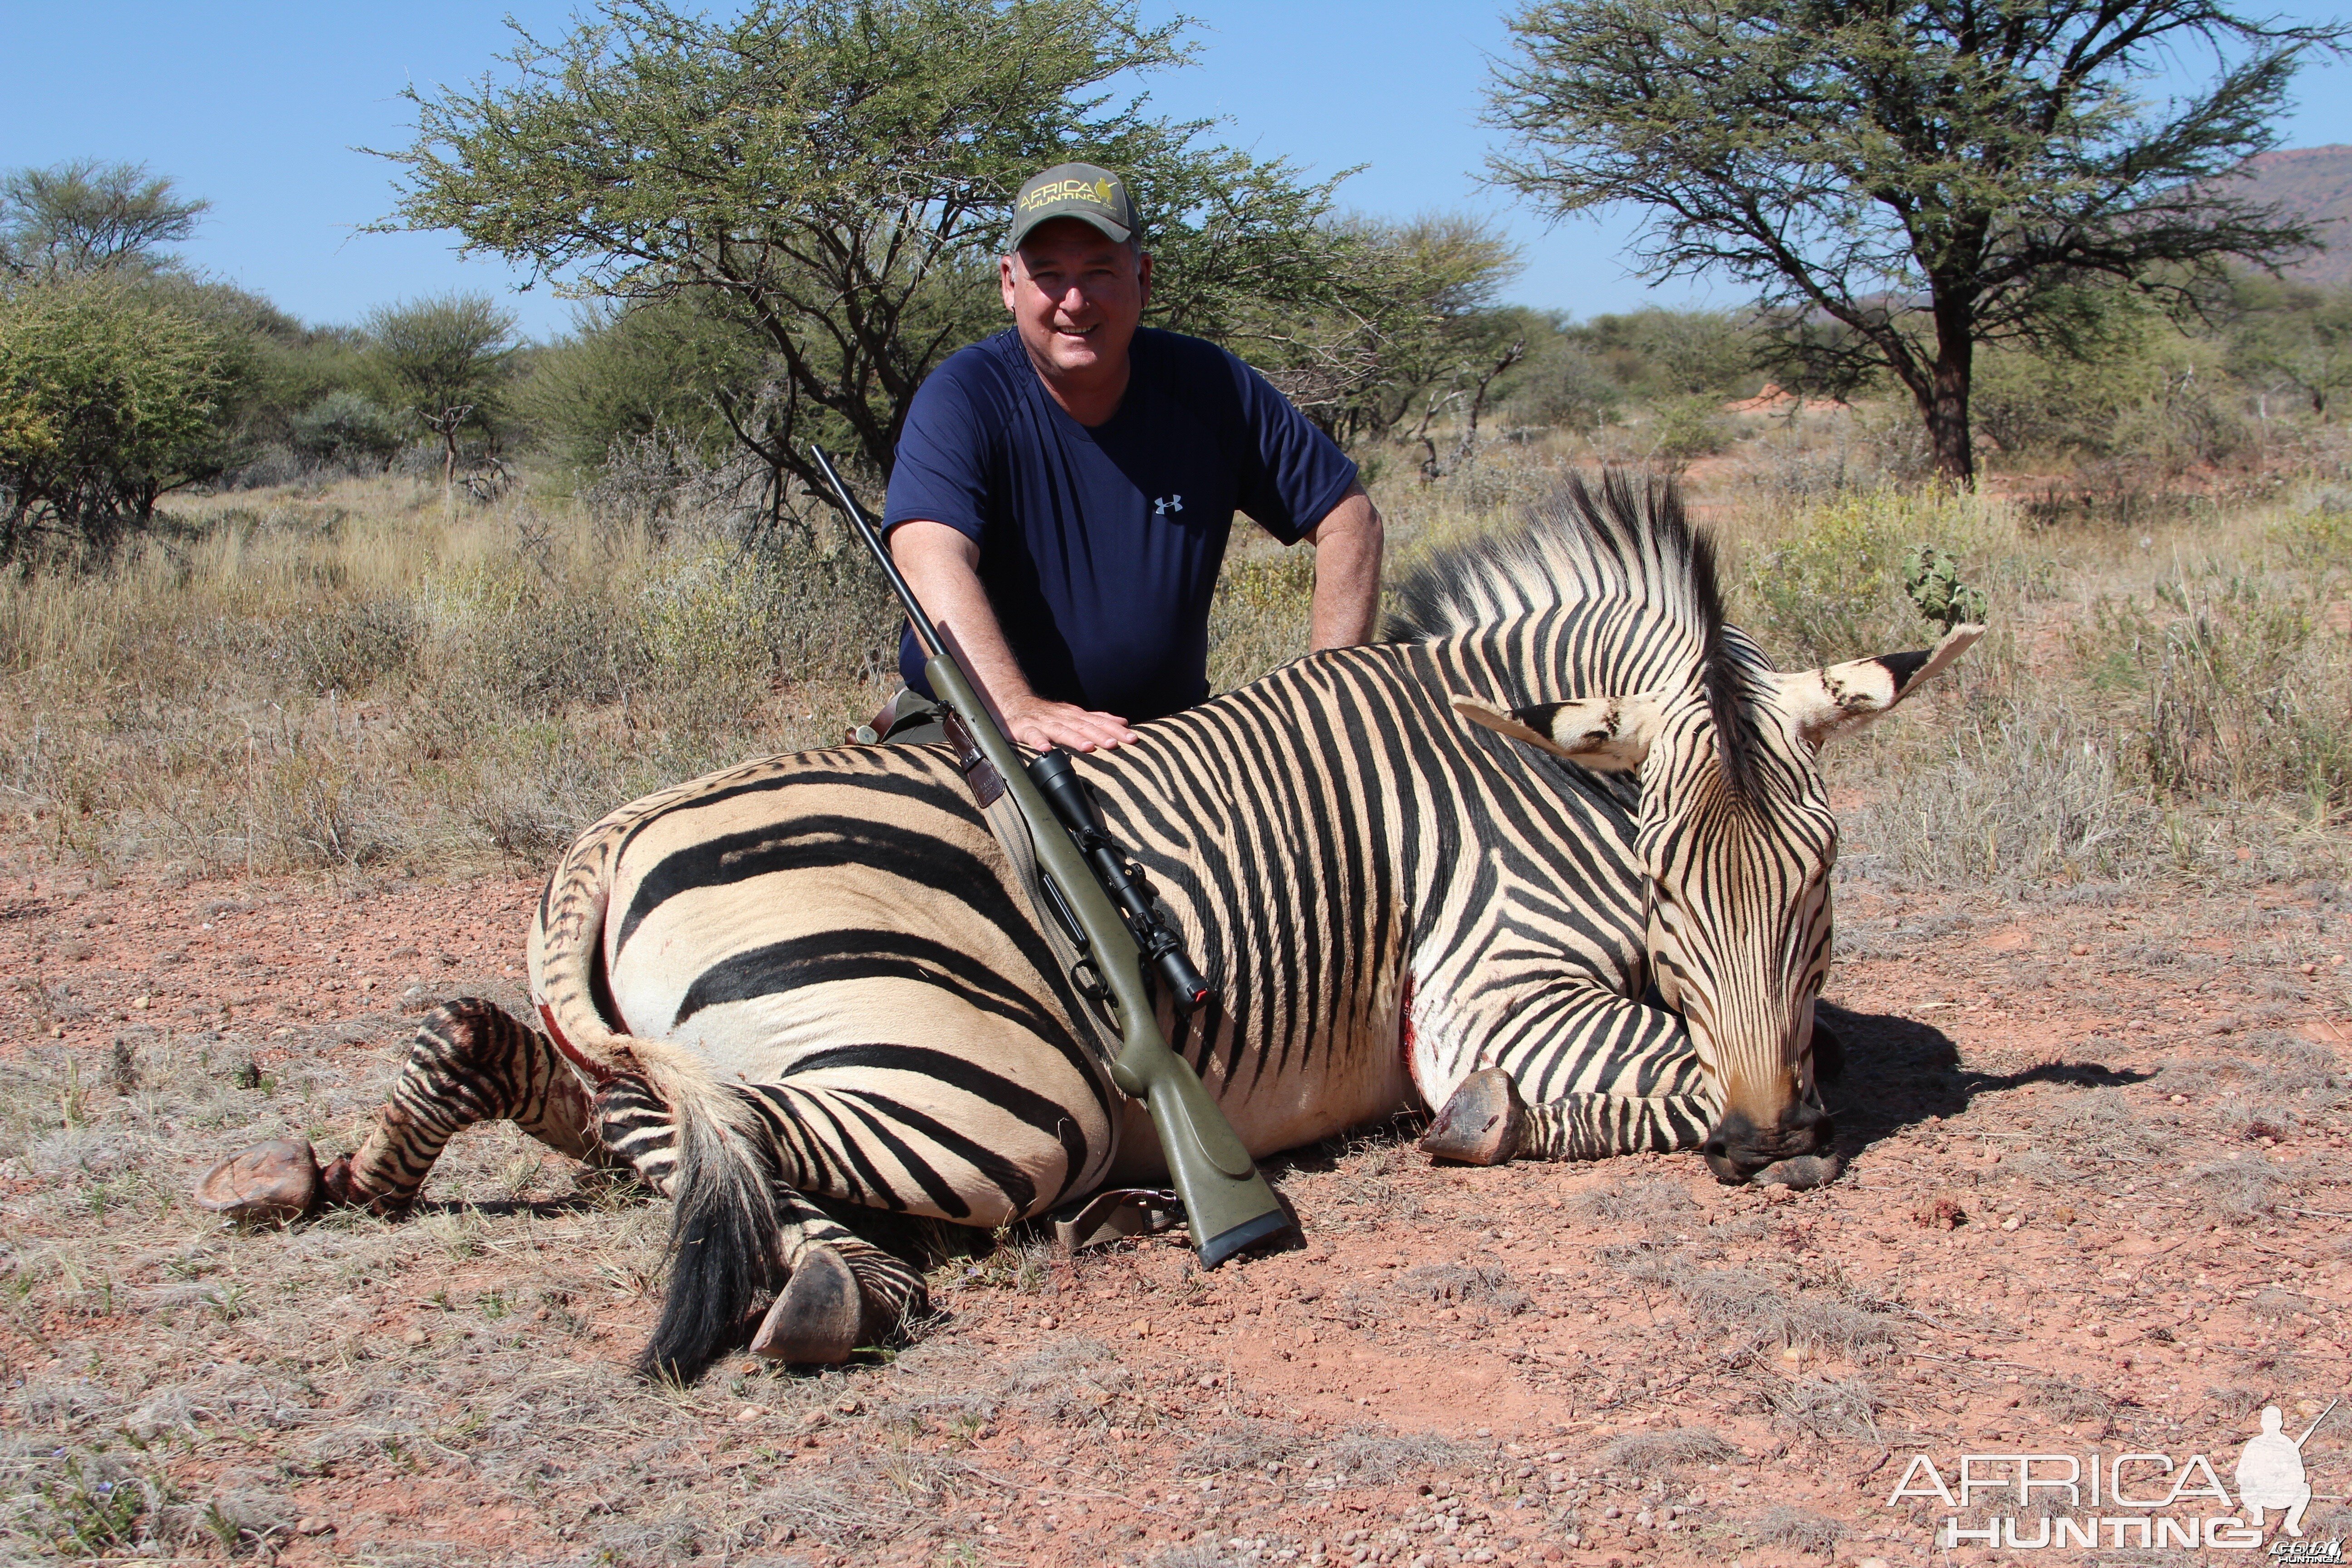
x=259, y=108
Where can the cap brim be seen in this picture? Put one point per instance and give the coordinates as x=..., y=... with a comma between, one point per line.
x=1118, y=234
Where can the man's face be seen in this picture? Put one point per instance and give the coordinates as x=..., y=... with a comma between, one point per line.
x=1075, y=296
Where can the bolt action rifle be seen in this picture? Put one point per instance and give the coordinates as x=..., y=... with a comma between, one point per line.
x=1100, y=901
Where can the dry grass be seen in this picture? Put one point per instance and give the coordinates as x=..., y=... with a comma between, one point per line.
x=346, y=677
x=343, y=676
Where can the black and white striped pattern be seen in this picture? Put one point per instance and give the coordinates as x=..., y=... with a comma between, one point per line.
x=470, y=1062
x=822, y=967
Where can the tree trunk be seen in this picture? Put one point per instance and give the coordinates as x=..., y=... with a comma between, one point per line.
x=1946, y=404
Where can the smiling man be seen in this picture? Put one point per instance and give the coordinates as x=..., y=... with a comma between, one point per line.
x=1064, y=490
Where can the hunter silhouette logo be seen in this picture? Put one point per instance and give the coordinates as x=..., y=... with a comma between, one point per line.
x=2124, y=1501
x=2270, y=1471
x=1162, y=505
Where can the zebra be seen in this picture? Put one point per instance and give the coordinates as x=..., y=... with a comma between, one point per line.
x=1552, y=858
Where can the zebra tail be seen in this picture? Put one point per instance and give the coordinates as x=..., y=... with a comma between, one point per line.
x=724, y=1227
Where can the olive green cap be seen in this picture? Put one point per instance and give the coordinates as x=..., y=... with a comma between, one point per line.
x=1081, y=191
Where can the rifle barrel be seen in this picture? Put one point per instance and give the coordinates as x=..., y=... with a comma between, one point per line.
x=924, y=630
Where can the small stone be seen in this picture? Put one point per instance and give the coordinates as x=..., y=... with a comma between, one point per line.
x=749, y=1413
x=314, y=1525
x=1871, y=1563
x=1048, y=1322
x=2010, y=1223
x=2081, y=949
x=141, y=1003
x=849, y=1404
x=414, y=1338
x=1142, y=1330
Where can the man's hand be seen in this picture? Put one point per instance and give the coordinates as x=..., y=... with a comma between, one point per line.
x=1346, y=571
x=1039, y=724
x=943, y=568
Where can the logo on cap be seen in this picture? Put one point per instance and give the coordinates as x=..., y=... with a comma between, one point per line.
x=1100, y=191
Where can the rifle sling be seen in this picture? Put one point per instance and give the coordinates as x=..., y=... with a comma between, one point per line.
x=1098, y=1025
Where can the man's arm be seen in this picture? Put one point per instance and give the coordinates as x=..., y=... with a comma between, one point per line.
x=1346, y=571
x=942, y=566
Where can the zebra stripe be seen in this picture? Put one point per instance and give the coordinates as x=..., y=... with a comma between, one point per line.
x=1563, y=830
x=470, y=1062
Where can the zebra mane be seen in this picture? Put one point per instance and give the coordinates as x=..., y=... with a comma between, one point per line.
x=1630, y=540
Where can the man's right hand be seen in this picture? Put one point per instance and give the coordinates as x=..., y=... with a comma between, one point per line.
x=1039, y=725
x=942, y=565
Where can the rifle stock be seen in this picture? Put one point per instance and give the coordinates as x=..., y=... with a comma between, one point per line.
x=1229, y=1205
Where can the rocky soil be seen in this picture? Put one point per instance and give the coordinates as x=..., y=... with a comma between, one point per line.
x=2096, y=1201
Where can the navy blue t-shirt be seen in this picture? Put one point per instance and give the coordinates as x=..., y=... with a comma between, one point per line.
x=1099, y=547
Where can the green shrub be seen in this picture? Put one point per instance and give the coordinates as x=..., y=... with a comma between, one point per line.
x=107, y=397
x=2244, y=687
x=350, y=647
x=1837, y=581
x=346, y=428
x=1687, y=427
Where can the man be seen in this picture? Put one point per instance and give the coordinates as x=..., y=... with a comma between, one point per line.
x=1063, y=490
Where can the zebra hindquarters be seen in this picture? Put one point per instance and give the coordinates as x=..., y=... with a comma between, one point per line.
x=975, y=1119
x=967, y=1117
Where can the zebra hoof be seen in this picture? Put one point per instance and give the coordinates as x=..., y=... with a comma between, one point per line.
x=269, y=1183
x=817, y=1321
x=1482, y=1124
x=1804, y=1171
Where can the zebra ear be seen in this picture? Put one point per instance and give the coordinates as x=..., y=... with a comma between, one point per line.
x=1609, y=734
x=1839, y=698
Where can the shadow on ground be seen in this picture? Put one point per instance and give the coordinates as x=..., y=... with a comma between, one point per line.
x=1900, y=1072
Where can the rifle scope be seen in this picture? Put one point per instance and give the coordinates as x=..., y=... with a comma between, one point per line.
x=1075, y=803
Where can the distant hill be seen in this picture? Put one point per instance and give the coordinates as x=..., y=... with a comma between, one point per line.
x=2316, y=183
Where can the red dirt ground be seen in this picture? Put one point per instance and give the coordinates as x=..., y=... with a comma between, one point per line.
x=2096, y=1200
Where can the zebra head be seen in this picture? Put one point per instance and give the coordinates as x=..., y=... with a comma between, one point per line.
x=1735, y=833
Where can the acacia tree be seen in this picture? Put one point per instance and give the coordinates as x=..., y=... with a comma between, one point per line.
x=106, y=400
x=86, y=216
x=2294, y=336
x=447, y=359
x=839, y=174
x=1925, y=175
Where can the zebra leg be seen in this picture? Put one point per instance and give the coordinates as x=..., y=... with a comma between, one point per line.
x=471, y=1061
x=842, y=1292
x=1597, y=1126
x=1485, y=1123
x=636, y=1129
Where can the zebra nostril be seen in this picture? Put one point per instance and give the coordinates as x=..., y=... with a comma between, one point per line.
x=1714, y=1148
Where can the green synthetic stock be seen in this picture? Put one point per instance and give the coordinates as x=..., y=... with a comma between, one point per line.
x=1229, y=1205
x=1208, y=1164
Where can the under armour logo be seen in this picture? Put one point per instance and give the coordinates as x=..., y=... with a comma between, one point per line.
x=1162, y=505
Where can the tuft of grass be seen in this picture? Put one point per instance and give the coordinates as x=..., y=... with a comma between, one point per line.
x=2236, y=1189
x=1754, y=1310
x=1637, y=1203
x=1796, y=1530
x=1464, y=1282
x=1846, y=1409
x=1649, y=1454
